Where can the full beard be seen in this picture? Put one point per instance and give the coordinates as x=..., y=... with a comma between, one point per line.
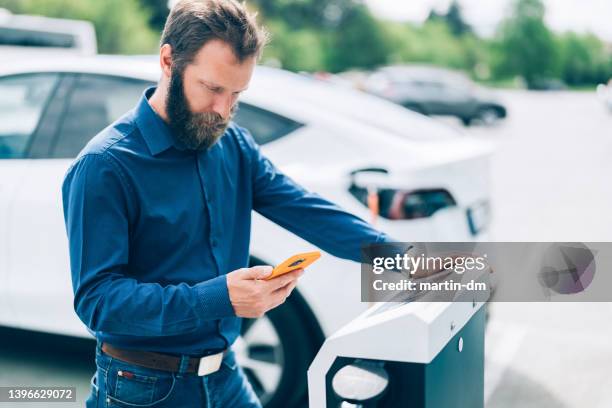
x=196, y=131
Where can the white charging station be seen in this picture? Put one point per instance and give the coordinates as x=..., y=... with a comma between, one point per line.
x=414, y=354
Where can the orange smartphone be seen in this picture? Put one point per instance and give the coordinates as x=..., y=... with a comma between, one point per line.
x=299, y=261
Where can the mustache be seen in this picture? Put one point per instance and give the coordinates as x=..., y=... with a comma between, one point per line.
x=212, y=120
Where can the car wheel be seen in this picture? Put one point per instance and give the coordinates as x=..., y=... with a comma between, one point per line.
x=275, y=351
x=488, y=116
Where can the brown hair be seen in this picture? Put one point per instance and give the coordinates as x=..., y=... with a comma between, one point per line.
x=192, y=23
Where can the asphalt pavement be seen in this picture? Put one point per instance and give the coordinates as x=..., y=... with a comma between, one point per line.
x=550, y=182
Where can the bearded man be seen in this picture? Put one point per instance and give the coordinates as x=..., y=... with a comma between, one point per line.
x=158, y=213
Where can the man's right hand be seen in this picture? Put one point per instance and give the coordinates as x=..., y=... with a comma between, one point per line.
x=251, y=296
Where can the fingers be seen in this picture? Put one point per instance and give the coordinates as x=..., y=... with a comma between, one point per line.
x=285, y=279
x=281, y=294
x=251, y=296
x=287, y=289
x=256, y=272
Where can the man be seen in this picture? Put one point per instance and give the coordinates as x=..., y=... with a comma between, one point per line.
x=158, y=210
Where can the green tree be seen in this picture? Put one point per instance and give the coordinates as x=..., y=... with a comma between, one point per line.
x=295, y=50
x=584, y=59
x=158, y=12
x=453, y=18
x=324, y=35
x=434, y=43
x=526, y=47
x=301, y=14
x=358, y=42
x=121, y=25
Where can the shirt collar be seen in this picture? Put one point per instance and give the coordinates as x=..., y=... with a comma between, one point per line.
x=155, y=131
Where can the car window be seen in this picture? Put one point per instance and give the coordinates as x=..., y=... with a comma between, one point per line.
x=265, y=126
x=429, y=85
x=35, y=38
x=95, y=103
x=22, y=101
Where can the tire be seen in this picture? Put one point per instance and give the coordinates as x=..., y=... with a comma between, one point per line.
x=276, y=350
x=488, y=115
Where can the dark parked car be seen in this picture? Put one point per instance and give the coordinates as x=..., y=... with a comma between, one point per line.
x=547, y=84
x=436, y=91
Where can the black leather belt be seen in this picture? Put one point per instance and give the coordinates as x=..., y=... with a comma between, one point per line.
x=165, y=362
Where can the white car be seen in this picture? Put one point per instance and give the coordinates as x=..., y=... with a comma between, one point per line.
x=23, y=35
x=431, y=183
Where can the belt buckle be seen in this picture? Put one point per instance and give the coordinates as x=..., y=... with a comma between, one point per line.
x=210, y=364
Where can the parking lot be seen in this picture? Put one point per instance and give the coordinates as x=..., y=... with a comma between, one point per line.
x=549, y=183
x=550, y=176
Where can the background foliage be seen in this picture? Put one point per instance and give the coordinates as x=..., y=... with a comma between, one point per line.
x=338, y=35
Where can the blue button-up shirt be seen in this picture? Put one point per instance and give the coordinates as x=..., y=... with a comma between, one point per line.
x=154, y=228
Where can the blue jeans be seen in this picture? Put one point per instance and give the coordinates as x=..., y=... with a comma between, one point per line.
x=145, y=387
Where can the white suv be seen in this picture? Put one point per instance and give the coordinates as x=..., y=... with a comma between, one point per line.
x=431, y=183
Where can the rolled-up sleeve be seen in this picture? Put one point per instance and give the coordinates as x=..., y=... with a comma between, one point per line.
x=98, y=205
x=306, y=214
